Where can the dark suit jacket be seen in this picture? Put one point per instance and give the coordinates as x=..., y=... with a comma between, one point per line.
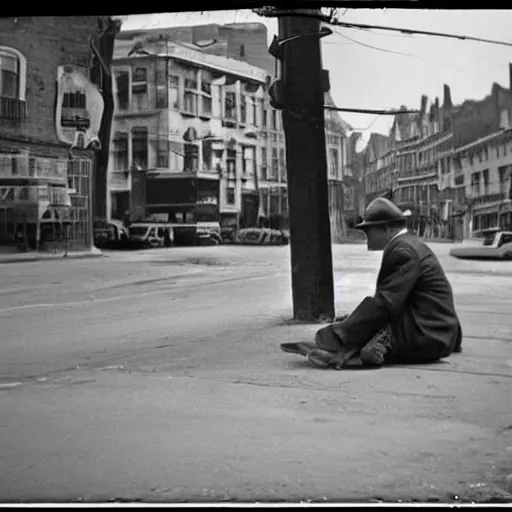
x=414, y=298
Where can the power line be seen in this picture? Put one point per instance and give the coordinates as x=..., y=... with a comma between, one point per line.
x=272, y=12
x=408, y=55
x=419, y=32
x=371, y=111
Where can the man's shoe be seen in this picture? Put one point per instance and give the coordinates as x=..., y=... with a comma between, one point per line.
x=375, y=351
x=324, y=359
x=302, y=348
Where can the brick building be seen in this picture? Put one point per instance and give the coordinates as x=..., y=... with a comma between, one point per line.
x=40, y=186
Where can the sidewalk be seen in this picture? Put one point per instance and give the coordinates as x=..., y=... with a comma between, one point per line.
x=23, y=257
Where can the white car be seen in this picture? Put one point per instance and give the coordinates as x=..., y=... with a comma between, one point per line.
x=497, y=245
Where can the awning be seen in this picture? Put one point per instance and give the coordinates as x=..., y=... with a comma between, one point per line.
x=490, y=208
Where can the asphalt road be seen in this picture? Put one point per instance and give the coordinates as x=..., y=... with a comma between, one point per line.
x=156, y=376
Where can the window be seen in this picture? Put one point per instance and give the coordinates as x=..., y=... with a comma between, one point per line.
x=163, y=154
x=274, y=120
x=254, y=111
x=282, y=164
x=231, y=164
x=13, y=68
x=486, y=154
x=230, y=105
x=123, y=95
x=334, y=162
x=475, y=184
x=242, y=50
x=206, y=101
x=139, y=81
x=264, y=164
x=207, y=155
x=230, y=195
x=243, y=109
x=174, y=87
x=275, y=164
x=264, y=114
x=74, y=100
x=191, y=160
x=248, y=161
x=505, y=173
x=120, y=148
x=486, y=181
x=190, y=96
x=140, y=147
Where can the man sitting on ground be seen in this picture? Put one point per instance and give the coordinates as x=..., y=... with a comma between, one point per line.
x=410, y=319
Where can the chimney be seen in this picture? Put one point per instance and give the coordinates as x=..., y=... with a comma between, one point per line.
x=447, y=100
x=424, y=100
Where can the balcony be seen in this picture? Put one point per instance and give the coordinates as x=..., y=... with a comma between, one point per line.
x=23, y=166
x=23, y=195
x=13, y=109
x=59, y=196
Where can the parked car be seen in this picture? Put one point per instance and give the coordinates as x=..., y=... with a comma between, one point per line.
x=111, y=235
x=497, y=245
x=150, y=234
x=262, y=236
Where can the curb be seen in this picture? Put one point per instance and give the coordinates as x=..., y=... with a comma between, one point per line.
x=43, y=257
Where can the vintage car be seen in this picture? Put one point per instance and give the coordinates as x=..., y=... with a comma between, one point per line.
x=497, y=245
x=111, y=235
x=261, y=236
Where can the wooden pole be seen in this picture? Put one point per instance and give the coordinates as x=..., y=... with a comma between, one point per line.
x=304, y=128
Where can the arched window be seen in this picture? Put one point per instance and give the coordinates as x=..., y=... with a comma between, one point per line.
x=13, y=73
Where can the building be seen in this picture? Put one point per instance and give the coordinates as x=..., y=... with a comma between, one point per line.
x=192, y=130
x=425, y=176
x=210, y=149
x=336, y=151
x=355, y=202
x=486, y=168
x=380, y=168
x=49, y=105
x=483, y=159
x=246, y=42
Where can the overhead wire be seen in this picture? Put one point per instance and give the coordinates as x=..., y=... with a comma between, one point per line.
x=410, y=55
x=273, y=12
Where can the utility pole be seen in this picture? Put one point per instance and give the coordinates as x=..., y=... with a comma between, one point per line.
x=303, y=122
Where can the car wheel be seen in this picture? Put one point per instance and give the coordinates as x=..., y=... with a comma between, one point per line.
x=507, y=256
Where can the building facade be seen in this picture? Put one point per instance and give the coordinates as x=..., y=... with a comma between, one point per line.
x=483, y=159
x=195, y=138
x=485, y=166
x=48, y=105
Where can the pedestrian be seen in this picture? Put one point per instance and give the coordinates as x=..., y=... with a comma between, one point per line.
x=410, y=319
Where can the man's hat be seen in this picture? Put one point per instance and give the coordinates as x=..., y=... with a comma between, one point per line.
x=381, y=211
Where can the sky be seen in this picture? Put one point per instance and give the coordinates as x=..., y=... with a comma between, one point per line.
x=376, y=78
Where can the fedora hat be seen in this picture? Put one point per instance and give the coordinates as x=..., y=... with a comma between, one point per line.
x=381, y=211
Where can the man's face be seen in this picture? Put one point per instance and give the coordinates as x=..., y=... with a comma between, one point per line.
x=377, y=237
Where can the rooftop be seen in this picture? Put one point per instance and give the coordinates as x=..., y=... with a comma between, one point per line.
x=186, y=53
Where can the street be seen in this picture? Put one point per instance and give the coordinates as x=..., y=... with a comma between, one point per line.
x=157, y=376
